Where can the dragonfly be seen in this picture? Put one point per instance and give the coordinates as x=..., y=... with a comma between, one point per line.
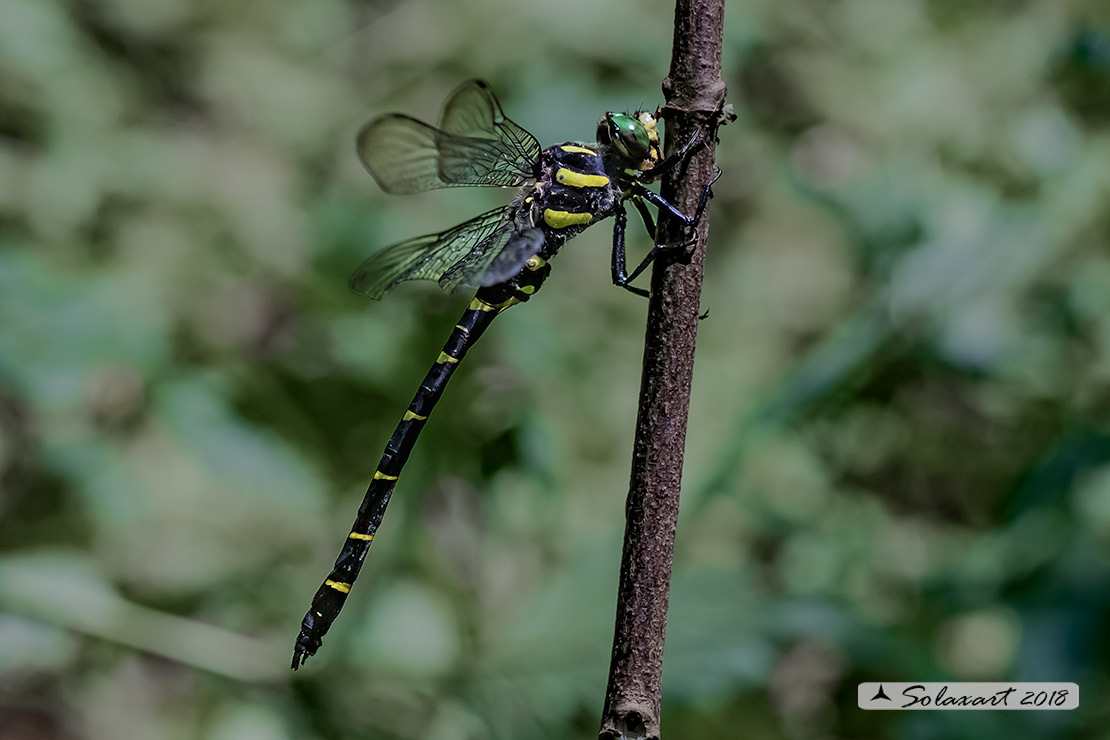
x=504, y=253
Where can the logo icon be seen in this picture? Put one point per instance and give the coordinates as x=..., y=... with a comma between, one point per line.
x=881, y=694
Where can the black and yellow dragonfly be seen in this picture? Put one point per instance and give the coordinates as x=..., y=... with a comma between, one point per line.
x=504, y=252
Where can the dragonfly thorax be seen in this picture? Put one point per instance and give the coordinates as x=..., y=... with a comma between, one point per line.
x=578, y=186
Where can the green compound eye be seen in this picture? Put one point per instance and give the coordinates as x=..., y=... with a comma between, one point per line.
x=631, y=136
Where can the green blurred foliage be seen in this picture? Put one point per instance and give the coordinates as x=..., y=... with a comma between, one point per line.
x=898, y=461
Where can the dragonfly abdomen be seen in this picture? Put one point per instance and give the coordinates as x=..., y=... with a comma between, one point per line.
x=331, y=595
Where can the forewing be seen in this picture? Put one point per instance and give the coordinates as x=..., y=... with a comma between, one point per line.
x=475, y=145
x=472, y=111
x=432, y=256
x=496, y=259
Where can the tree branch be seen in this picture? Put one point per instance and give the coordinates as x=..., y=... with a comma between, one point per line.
x=694, y=92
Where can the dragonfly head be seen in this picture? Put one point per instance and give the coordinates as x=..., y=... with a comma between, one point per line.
x=633, y=137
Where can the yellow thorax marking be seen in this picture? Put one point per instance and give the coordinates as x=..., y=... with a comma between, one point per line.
x=528, y=289
x=562, y=219
x=535, y=262
x=343, y=588
x=409, y=416
x=479, y=305
x=574, y=149
x=579, y=180
x=360, y=536
x=444, y=357
x=379, y=475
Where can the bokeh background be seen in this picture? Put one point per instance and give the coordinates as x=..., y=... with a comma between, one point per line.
x=898, y=460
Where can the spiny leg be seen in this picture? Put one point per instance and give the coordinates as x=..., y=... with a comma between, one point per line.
x=657, y=200
x=696, y=140
x=620, y=263
x=649, y=225
x=691, y=222
x=645, y=216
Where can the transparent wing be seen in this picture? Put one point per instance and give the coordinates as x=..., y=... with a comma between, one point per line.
x=458, y=256
x=472, y=111
x=495, y=260
x=475, y=144
x=520, y=246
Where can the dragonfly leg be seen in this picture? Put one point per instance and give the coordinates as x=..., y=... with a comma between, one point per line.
x=620, y=262
x=649, y=224
x=657, y=200
x=621, y=276
x=640, y=192
x=645, y=216
x=697, y=139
